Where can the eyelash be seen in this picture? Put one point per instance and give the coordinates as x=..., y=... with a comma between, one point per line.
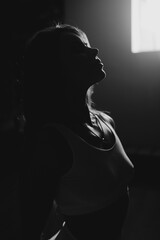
x=80, y=48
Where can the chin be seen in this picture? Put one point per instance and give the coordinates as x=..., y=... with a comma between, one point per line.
x=100, y=76
x=103, y=74
x=96, y=76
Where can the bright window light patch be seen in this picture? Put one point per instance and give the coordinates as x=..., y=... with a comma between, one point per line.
x=145, y=27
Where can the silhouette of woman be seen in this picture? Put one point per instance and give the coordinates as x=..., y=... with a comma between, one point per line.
x=75, y=157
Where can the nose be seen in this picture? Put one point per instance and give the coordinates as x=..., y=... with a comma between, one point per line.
x=94, y=51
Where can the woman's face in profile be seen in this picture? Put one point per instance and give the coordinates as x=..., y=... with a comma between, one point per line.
x=79, y=60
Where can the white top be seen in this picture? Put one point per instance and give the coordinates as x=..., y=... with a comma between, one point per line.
x=97, y=176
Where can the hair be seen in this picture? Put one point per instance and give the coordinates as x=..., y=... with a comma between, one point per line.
x=44, y=92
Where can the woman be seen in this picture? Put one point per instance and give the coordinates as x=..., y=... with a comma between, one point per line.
x=76, y=158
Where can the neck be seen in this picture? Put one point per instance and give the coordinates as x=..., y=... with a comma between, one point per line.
x=79, y=113
x=78, y=107
x=82, y=114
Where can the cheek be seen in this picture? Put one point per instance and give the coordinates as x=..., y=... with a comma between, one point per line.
x=77, y=64
x=80, y=65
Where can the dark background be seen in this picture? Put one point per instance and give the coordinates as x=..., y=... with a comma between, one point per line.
x=131, y=92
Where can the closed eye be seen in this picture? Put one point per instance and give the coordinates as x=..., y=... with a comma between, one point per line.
x=79, y=47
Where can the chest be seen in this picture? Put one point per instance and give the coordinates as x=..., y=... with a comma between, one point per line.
x=100, y=134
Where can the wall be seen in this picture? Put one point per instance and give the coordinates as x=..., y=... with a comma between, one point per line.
x=131, y=90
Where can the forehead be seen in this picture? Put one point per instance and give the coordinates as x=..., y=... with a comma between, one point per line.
x=71, y=38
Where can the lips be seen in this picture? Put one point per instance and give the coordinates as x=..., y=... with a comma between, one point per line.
x=98, y=62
